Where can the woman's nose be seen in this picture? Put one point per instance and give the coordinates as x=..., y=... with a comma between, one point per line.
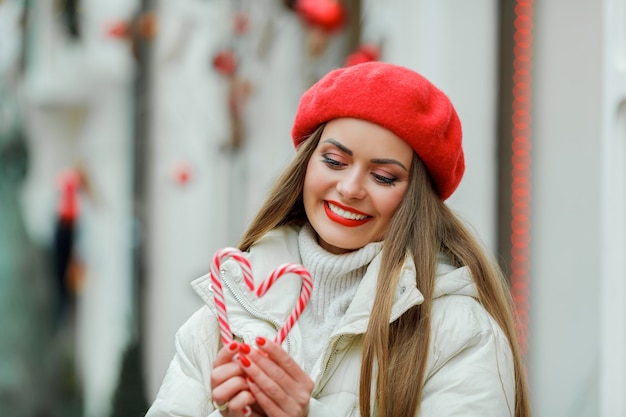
x=350, y=185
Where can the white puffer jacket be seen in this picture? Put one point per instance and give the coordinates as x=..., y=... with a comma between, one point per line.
x=470, y=367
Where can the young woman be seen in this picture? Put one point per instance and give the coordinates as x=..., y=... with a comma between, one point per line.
x=408, y=315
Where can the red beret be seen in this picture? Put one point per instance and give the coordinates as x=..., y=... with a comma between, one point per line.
x=398, y=99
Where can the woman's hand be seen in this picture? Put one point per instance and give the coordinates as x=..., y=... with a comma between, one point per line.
x=280, y=387
x=230, y=392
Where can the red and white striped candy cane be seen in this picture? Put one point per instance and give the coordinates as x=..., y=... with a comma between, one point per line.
x=218, y=292
x=303, y=300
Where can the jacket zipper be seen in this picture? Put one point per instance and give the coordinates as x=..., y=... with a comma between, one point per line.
x=333, y=352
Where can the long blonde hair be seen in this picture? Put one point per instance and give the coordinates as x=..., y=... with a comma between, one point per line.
x=424, y=226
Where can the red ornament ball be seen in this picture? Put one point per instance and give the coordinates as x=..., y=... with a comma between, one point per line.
x=182, y=173
x=329, y=15
x=225, y=62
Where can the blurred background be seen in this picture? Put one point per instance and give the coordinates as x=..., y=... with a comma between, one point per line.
x=137, y=137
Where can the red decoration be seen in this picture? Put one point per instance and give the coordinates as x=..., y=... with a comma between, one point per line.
x=145, y=25
x=365, y=53
x=328, y=15
x=69, y=183
x=182, y=173
x=119, y=30
x=521, y=172
x=225, y=62
x=68, y=271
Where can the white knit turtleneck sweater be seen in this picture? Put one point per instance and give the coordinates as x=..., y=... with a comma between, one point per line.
x=335, y=281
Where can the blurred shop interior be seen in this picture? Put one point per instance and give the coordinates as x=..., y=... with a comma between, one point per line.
x=137, y=137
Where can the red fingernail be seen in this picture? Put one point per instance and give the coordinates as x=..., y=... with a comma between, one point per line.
x=233, y=346
x=244, y=348
x=260, y=341
x=244, y=361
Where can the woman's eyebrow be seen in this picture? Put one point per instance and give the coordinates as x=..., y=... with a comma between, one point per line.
x=339, y=145
x=389, y=161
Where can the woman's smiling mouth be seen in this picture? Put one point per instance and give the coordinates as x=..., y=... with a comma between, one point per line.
x=345, y=216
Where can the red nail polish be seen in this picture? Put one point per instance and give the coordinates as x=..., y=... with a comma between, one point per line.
x=260, y=341
x=244, y=348
x=233, y=346
x=244, y=361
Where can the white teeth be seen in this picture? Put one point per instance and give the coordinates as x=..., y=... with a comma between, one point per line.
x=346, y=214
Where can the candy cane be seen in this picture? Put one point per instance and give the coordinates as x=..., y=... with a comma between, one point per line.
x=218, y=293
x=305, y=294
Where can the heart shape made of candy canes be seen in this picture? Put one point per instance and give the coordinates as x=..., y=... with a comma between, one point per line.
x=218, y=292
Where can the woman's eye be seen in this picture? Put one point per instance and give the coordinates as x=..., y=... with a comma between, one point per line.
x=333, y=163
x=381, y=179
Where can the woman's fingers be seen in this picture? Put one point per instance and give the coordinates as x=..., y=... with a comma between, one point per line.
x=278, y=384
x=229, y=389
x=224, y=367
x=276, y=353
